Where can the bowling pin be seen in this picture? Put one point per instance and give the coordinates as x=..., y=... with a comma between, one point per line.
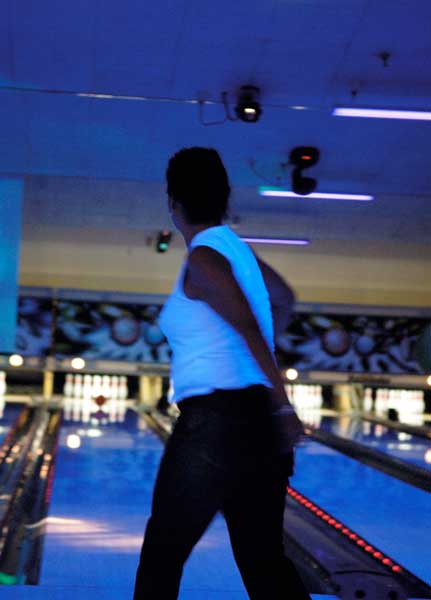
x=112, y=410
x=76, y=409
x=122, y=389
x=368, y=399
x=114, y=387
x=97, y=386
x=86, y=407
x=121, y=408
x=77, y=386
x=67, y=407
x=87, y=387
x=106, y=386
x=68, y=386
x=420, y=402
x=2, y=383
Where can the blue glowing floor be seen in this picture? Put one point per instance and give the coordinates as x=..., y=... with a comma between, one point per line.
x=68, y=592
x=101, y=501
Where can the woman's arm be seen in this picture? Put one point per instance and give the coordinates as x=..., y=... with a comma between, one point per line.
x=210, y=278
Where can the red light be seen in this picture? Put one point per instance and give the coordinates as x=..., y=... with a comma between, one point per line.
x=305, y=157
x=343, y=529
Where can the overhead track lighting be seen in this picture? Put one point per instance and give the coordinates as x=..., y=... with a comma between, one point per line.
x=280, y=193
x=276, y=241
x=248, y=108
x=382, y=113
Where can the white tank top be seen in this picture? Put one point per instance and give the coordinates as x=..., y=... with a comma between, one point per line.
x=208, y=353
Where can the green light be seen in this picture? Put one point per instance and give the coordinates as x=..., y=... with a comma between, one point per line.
x=6, y=579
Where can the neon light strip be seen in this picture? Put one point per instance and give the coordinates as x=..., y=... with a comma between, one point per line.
x=348, y=533
x=382, y=113
x=261, y=240
x=276, y=192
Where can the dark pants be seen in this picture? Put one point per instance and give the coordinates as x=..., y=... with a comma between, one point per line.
x=220, y=456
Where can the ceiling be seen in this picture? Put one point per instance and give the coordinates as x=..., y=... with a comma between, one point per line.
x=99, y=163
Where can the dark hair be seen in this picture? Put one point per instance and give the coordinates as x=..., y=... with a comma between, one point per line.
x=197, y=180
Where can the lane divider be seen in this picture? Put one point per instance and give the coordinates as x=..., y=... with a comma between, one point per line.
x=354, y=538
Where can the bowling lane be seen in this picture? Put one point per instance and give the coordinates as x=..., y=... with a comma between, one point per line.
x=99, y=507
x=404, y=446
x=387, y=512
x=101, y=501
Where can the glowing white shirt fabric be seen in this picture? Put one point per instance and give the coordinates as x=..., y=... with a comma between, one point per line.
x=208, y=353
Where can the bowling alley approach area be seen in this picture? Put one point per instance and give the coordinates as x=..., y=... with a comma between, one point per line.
x=81, y=440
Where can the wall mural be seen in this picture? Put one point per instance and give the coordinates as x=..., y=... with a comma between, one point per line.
x=130, y=332
x=34, y=326
x=97, y=330
x=351, y=343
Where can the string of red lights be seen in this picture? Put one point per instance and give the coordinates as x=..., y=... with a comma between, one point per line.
x=348, y=533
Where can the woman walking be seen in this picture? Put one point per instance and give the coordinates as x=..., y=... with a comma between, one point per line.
x=231, y=448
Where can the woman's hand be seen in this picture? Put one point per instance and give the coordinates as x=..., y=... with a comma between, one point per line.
x=287, y=426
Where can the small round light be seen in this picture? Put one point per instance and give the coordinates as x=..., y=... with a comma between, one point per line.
x=292, y=374
x=77, y=363
x=73, y=441
x=16, y=360
x=429, y=380
x=427, y=456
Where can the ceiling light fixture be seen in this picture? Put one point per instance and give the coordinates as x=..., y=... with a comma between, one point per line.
x=279, y=193
x=279, y=241
x=303, y=157
x=382, y=113
x=248, y=108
